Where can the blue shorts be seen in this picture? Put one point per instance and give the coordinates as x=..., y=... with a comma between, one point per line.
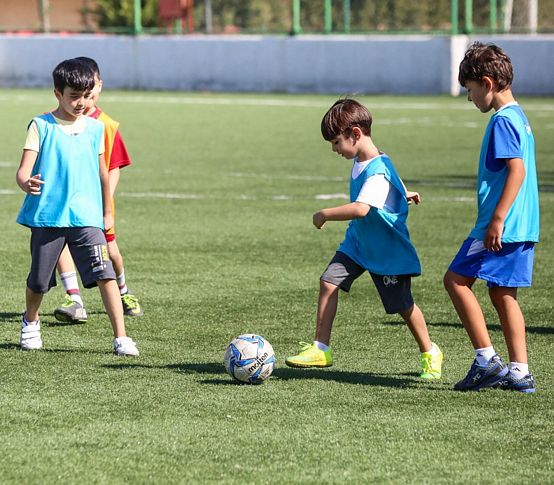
x=511, y=267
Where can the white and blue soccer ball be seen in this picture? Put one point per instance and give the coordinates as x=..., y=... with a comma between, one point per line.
x=250, y=358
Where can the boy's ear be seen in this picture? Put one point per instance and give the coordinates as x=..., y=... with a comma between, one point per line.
x=57, y=94
x=489, y=83
x=100, y=83
x=356, y=132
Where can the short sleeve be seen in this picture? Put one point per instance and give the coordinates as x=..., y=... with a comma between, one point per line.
x=120, y=156
x=506, y=139
x=32, y=142
x=375, y=191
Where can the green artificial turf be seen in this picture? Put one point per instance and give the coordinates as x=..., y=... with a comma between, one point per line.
x=214, y=223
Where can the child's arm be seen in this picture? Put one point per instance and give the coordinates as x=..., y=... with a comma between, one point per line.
x=113, y=178
x=28, y=184
x=347, y=212
x=516, y=174
x=106, y=197
x=411, y=196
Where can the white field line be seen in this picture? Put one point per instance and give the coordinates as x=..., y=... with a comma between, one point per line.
x=282, y=197
x=255, y=101
x=7, y=164
x=336, y=196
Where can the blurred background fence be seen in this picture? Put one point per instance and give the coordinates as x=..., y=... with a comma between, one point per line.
x=277, y=16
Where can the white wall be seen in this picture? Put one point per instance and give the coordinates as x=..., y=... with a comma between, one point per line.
x=317, y=64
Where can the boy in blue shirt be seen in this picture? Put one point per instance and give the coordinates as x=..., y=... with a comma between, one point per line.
x=376, y=240
x=501, y=245
x=63, y=172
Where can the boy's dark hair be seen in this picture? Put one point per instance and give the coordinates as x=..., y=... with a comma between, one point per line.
x=344, y=115
x=90, y=63
x=489, y=60
x=73, y=73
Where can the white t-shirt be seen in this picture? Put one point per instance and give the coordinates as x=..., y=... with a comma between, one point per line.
x=376, y=188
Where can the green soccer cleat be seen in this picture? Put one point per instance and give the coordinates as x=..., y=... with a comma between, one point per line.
x=311, y=356
x=131, y=306
x=431, y=364
x=70, y=312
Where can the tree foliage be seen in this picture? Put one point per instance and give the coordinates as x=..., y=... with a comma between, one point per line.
x=275, y=16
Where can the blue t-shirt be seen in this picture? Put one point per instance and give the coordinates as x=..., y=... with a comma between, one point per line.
x=71, y=195
x=380, y=241
x=508, y=135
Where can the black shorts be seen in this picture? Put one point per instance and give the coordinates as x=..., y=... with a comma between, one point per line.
x=88, y=249
x=395, y=291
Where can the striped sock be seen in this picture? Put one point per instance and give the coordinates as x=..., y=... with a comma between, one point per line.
x=121, y=283
x=71, y=286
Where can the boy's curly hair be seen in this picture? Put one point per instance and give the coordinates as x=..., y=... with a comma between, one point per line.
x=489, y=60
x=344, y=115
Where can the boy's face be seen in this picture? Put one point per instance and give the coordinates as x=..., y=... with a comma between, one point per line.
x=481, y=94
x=345, y=146
x=95, y=94
x=72, y=103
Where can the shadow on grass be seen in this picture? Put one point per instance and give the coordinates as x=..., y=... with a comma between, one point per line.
x=14, y=346
x=47, y=319
x=490, y=326
x=363, y=378
x=404, y=380
x=10, y=317
x=284, y=373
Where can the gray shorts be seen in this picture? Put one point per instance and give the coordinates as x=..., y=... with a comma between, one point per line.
x=394, y=290
x=88, y=249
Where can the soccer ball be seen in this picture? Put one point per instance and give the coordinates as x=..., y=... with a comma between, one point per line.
x=249, y=358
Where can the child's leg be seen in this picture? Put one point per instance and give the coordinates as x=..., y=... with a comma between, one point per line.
x=115, y=256
x=326, y=311
x=512, y=321
x=68, y=275
x=467, y=307
x=112, y=303
x=32, y=305
x=123, y=345
x=65, y=263
x=131, y=305
x=416, y=323
x=488, y=369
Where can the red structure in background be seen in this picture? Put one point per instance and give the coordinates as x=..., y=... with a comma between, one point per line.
x=177, y=10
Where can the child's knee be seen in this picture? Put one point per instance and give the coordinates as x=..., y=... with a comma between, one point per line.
x=327, y=288
x=448, y=281
x=502, y=295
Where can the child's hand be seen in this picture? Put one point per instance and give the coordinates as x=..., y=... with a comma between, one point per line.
x=413, y=197
x=319, y=220
x=32, y=186
x=493, y=237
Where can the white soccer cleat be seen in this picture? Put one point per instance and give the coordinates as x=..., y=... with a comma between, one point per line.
x=30, y=336
x=125, y=346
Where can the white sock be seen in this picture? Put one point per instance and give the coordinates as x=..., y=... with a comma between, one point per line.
x=121, y=283
x=484, y=355
x=434, y=350
x=518, y=370
x=321, y=346
x=27, y=322
x=71, y=286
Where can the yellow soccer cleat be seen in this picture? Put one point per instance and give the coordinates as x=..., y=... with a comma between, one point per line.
x=311, y=356
x=431, y=364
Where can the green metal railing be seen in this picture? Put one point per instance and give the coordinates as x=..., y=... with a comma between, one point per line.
x=468, y=27
x=492, y=17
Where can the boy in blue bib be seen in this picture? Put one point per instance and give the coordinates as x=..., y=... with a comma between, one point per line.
x=62, y=170
x=501, y=245
x=376, y=240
